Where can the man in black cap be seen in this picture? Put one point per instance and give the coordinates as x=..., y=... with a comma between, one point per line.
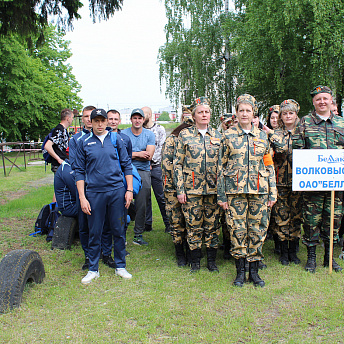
x=320, y=130
x=99, y=166
x=143, y=145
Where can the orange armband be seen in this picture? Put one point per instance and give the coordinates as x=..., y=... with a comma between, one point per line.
x=268, y=160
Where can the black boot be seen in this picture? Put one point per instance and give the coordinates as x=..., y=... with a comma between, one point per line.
x=253, y=275
x=261, y=265
x=293, y=258
x=226, y=249
x=86, y=264
x=211, y=258
x=284, y=252
x=187, y=251
x=195, y=260
x=240, y=268
x=277, y=249
x=335, y=266
x=311, y=259
x=108, y=260
x=180, y=255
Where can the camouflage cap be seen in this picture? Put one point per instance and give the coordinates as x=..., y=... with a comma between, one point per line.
x=291, y=103
x=187, y=118
x=226, y=117
x=274, y=108
x=321, y=89
x=247, y=98
x=201, y=101
x=187, y=109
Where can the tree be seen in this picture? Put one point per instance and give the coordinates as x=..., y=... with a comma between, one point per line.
x=35, y=85
x=285, y=48
x=164, y=116
x=27, y=17
x=193, y=61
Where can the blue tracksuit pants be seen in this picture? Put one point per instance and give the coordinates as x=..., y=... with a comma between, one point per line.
x=110, y=203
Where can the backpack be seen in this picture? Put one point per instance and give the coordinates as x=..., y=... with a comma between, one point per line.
x=137, y=185
x=46, y=156
x=46, y=220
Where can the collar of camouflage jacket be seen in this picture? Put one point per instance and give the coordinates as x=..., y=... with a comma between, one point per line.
x=317, y=119
x=254, y=131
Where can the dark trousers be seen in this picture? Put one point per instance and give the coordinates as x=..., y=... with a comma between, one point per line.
x=83, y=227
x=102, y=203
x=141, y=201
x=156, y=181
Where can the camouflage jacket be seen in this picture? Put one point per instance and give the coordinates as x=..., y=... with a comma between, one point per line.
x=315, y=133
x=196, y=160
x=241, y=164
x=167, y=162
x=281, y=144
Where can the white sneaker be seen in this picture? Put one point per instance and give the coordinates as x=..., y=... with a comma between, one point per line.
x=90, y=276
x=122, y=272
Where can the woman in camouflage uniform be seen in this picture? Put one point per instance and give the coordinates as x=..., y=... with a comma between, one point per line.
x=246, y=188
x=195, y=173
x=173, y=207
x=287, y=211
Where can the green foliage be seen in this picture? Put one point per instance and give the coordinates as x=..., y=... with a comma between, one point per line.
x=288, y=47
x=192, y=61
x=273, y=49
x=164, y=116
x=36, y=84
x=31, y=17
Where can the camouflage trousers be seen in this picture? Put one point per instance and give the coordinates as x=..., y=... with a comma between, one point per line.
x=225, y=230
x=286, y=214
x=175, y=217
x=248, y=220
x=316, y=216
x=202, y=218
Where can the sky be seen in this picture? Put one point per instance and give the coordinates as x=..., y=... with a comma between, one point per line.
x=116, y=61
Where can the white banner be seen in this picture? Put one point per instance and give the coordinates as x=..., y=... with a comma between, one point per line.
x=318, y=169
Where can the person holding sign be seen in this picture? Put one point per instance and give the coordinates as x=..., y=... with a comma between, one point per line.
x=320, y=130
x=287, y=210
x=246, y=187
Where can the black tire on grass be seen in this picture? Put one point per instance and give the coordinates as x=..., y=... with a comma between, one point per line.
x=18, y=268
x=64, y=233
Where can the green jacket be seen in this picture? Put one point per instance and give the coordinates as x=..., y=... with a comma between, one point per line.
x=315, y=133
x=241, y=164
x=196, y=160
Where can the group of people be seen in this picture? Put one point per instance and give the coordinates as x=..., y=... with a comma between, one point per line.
x=238, y=177
x=89, y=184
x=242, y=180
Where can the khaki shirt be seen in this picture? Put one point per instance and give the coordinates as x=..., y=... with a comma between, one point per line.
x=196, y=161
x=241, y=164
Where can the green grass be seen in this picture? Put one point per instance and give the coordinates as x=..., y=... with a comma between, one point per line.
x=164, y=303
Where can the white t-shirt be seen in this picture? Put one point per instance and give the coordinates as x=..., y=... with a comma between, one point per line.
x=102, y=137
x=246, y=130
x=323, y=117
x=202, y=131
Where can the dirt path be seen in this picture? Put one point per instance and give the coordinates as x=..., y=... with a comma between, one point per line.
x=11, y=195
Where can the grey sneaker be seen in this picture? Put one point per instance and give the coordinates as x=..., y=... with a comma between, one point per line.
x=122, y=272
x=139, y=241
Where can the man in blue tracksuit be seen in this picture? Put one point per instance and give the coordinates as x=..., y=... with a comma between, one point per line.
x=82, y=217
x=114, y=119
x=65, y=190
x=97, y=166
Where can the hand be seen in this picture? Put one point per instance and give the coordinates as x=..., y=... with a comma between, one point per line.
x=223, y=205
x=182, y=198
x=271, y=203
x=128, y=198
x=266, y=129
x=85, y=206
